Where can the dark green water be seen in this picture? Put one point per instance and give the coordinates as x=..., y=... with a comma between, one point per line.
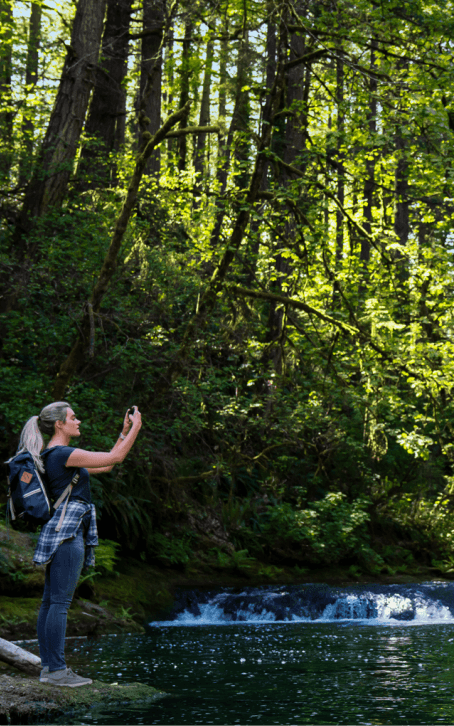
x=283, y=673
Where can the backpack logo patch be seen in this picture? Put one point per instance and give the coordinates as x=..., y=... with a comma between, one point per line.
x=26, y=477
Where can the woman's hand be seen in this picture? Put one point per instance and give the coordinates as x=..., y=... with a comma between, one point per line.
x=127, y=423
x=100, y=459
x=135, y=417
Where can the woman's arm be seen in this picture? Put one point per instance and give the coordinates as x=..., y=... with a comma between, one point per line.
x=104, y=460
x=124, y=432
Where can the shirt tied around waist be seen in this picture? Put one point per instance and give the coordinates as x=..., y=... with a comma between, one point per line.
x=78, y=514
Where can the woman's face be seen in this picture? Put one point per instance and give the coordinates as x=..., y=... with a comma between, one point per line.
x=70, y=426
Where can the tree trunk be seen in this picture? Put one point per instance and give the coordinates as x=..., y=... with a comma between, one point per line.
x=369, y=185
x=6, y=112
x=339, y=153
x=200, y=143
x=226, y=146
x=169, y=63
x=107, y=112
x=270, y=74
x=151, y=52
x=55, y=164
x=298, y=82
x=19, y=658
x=242, y=136
x=401, y=223
x=401, y=203
x=31, y=78
x=184, y=92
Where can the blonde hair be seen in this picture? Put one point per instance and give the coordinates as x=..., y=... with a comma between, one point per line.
x=31, y=438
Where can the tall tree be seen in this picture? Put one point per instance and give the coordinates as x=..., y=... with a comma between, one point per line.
x=107, y=111
x=54, y=167
x=185, y=80
x=6, y=109
x=339, y=62
x=31, y=79
x=151, y=70
x=292, y=147
x=369, y=183
x=200, y=150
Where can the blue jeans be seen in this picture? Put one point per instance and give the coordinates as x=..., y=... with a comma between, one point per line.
x=62, y=575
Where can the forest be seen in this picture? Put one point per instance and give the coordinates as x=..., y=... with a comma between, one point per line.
x=237, y=215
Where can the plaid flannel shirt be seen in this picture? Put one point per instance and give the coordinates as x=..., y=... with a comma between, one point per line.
x=50, y=540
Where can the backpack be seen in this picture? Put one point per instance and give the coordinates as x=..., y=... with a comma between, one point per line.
x=29, y=501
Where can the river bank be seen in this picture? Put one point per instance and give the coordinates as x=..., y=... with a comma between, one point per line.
x=25, y=700
x=137, y=591
x=141, y=592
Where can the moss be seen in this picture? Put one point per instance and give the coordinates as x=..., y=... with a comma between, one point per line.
x=17, y=614
x=24, y=698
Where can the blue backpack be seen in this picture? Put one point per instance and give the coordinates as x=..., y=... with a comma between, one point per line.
x=28, y=498
x=29, y=501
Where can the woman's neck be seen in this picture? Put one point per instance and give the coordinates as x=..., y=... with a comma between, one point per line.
x=58, y=440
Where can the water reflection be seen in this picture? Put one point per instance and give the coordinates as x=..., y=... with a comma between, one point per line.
x=299, y=673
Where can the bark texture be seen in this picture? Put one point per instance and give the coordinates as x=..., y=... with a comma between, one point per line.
x=107, y=112
x=201, y=143
x=6, y=113
x=31, y=79
x=292, y=150
x=19, y=658
x=184, y=91
x=151, y=73
x=55, y=164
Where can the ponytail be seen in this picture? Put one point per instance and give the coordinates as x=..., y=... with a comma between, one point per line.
x=31, y=438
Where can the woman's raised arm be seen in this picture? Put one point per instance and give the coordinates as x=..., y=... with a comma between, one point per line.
x=101, y=459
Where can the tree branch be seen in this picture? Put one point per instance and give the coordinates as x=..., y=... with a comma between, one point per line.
x=194, y=130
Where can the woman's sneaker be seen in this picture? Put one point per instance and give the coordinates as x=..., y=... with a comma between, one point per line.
x=67, y=677
x=44, y=675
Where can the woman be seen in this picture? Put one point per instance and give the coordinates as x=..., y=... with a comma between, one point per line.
x=69, y=536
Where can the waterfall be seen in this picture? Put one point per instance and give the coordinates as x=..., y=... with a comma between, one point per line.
x=411, y=604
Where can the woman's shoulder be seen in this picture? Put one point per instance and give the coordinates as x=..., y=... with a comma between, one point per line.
x=57, y=452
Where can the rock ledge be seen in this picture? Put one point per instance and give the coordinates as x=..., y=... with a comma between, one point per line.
x=27, y=701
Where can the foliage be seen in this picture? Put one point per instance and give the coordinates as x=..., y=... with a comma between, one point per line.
x=314, y=398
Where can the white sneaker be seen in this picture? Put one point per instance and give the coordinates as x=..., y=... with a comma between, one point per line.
x=44, y=675
x=67, y=677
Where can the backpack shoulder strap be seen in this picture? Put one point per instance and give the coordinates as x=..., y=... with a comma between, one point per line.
x=66, y=493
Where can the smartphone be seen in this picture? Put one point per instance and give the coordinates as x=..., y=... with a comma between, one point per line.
x=130, y=414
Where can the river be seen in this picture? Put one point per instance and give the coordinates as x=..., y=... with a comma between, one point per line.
x=298, y=655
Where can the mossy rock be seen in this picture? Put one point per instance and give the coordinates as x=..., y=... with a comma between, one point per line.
x=26, y=700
